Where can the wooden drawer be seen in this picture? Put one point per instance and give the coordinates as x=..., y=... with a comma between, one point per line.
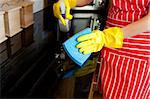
x=15, y=43
x=26, y=14
x=2, y=27
x=3, y=52
x=27, y=36
x=12, y=19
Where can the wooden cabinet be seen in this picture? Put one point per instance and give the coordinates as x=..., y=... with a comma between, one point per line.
x=2, y=27
x=12, y=19
x=26, y=13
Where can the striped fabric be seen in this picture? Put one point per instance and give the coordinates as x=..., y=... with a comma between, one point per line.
x=124, y=73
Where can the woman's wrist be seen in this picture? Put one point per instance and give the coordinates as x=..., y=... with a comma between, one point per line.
x=83, y=2
x=137, y=27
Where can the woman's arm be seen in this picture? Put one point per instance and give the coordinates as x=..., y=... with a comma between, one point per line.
x=83, y=2
x=137, y=27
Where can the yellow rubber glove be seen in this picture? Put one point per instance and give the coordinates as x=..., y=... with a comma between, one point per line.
x=57, y=13
x=94, y=42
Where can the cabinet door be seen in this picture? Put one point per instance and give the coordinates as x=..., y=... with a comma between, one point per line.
x=2, y=28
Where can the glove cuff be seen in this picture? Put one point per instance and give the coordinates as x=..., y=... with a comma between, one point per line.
x=113, y=37
x=72, y=3
x=100, y=39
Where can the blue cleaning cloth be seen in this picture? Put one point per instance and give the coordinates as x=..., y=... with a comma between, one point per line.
x=72, y=51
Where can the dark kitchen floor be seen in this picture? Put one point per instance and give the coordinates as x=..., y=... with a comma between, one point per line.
x=34, y=71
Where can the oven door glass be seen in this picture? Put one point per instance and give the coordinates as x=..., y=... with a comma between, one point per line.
x=84, y=20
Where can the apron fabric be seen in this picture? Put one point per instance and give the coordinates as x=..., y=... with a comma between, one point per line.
x=124, y=72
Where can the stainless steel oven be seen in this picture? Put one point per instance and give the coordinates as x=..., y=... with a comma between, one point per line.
x=92, y=15
x=82, y=21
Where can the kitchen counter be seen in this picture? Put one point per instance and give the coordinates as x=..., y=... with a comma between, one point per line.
x=35, y=70
x=30, y=71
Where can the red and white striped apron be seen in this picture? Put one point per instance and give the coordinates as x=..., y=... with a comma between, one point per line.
x=124, y=73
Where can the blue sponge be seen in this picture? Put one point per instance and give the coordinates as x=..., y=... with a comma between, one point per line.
x=72, y=51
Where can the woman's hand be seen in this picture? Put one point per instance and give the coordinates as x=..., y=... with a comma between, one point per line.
x=94, y=42
x=68, y=5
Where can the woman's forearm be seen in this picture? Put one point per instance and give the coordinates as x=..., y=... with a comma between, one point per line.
x=83, y=2
x=137, y=27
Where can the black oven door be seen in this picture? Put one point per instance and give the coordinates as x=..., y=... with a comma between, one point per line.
x=84, y=20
